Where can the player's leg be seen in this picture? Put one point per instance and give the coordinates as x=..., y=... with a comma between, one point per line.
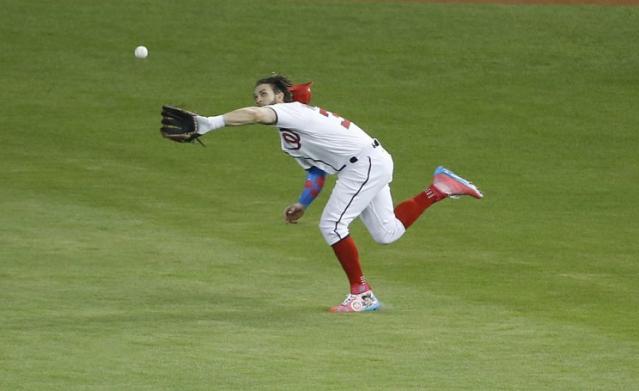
x=353, y=192
x=355, y=189
x=380, y=220
x=350, y=196
x=408, y=211
x=387, y=224
x=445, y=184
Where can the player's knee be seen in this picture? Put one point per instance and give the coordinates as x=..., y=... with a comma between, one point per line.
x=332, y=232
x=327, y=229
x=388, y=236
x=385, y=239
x=324, y=226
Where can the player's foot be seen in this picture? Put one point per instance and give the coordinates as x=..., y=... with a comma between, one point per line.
x=453, y=185
x=363, y=302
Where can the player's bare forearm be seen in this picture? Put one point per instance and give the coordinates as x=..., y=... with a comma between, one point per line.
x=250, y=115
x=244, y=116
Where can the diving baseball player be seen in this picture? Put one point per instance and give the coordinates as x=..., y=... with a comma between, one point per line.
x=324, y=143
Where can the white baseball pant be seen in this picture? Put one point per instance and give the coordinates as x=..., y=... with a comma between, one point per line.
x=362, y=190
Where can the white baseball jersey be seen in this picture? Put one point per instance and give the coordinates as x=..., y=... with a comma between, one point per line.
x=316, y=137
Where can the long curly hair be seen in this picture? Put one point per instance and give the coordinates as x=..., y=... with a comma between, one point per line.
x=279, y=83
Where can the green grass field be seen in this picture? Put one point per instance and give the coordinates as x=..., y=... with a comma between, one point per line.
x=132, y=263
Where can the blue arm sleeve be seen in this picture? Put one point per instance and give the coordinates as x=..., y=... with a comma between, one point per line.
x=312, y=186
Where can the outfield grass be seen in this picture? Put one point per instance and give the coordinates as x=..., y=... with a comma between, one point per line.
x=130, y=263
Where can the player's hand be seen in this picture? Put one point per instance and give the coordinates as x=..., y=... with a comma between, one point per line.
x=179, y=125
x=294, y=212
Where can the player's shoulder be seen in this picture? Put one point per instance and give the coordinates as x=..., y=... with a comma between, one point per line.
x=291, y=106
x=295, y=109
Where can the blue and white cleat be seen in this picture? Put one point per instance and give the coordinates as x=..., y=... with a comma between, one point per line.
x=452, y=185
x=364, y=302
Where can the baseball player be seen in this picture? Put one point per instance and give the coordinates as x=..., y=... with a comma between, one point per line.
x=324, y=143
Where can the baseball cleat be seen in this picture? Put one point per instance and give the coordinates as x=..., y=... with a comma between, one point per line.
x=453, y=185
x=364, y=302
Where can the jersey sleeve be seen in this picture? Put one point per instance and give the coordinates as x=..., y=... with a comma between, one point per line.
x=303, y=163
x=290, y=115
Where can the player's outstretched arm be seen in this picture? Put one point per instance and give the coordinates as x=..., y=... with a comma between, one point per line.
x=250, y=115
x=184, y=126
x=244, y=116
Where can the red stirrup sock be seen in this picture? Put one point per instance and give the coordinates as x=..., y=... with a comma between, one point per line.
x=410, y=210
x=346, y=253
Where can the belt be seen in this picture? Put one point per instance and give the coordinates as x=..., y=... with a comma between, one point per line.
x=374, y=144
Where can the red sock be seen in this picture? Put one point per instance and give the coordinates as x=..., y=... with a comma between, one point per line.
x=410, y=210
x=346, y=253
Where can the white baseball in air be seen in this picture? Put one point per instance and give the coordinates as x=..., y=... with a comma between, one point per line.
x=141, y=52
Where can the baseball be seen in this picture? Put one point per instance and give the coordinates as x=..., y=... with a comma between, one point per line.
x=141, y=52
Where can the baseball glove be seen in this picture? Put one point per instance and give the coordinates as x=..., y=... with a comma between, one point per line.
x=179, y=125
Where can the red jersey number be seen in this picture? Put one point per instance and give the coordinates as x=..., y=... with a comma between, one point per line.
x=345, y=123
